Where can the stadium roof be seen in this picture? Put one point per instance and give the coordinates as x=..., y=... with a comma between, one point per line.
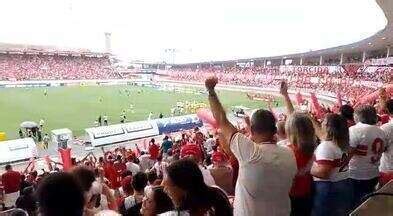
x=34, y=49
x=380, y=40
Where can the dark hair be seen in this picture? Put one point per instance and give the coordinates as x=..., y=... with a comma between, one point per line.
x=152, y=176
x=301, y=133
x=152, y=140
x=262, y=122
x=162, y=200
x=337, y=130
x=139, y=181
x=166, y=137
x=366, y=114
x=8, y=167
x=84, y=176
x=208, y=160
x=34, y=173
x=389, y=106
x=186, y=175
x=127, y=185
x=347, y=111
x=73, y=161
x=126, y=173
x=60, y=194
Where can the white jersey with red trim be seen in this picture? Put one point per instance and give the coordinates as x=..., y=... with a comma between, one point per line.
x=387, y=156
x=368, y=142
x=330, y=154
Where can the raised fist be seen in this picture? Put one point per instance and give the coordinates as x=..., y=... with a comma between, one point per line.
x=284, y=88
x=211, y=82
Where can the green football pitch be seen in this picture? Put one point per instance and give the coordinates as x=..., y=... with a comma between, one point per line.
x=78, y=107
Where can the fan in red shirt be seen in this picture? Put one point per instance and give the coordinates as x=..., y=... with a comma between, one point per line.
x=119, y=167
x=11, y=182
x=127, y=189
x=301, y=135
x=199, y=137
x=109, y=170
x=154, y=149
x=191, y=149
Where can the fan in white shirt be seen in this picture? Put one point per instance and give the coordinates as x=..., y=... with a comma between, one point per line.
x=209, y=143
x=332, y=186
x=367, y=143
x=133, y=167
x=386, y=166
x=266, y=170
x=330, y=154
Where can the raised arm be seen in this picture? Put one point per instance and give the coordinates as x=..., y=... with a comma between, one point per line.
x=383, y=97
x=287, y=100
x=317, y=127
x=27, y=167
x=269, y=106
x=226, y=127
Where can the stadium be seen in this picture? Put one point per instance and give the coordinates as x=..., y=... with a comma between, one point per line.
x=75, y=112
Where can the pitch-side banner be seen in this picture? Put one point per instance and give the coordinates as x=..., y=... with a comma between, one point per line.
x=121, y=132
x=178, y=123
x=309, y=69
x=105, y=135
x=17, y=150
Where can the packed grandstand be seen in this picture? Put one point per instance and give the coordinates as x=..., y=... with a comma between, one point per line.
x=326, y=159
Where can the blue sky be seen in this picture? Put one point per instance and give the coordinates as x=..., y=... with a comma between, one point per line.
x=200, y=30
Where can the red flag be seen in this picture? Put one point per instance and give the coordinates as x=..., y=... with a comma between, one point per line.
x=206, y=116
x=299, y=98
x=65, y=155
x=315, y=105
x=137, y=151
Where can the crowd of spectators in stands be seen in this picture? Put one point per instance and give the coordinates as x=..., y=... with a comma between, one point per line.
x=54, y=67
x=300, y=164
x=349, y=83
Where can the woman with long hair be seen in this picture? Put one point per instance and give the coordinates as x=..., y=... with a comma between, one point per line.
x=155, y=202
x=183, y=182
x=333, y=189
x=302, y=140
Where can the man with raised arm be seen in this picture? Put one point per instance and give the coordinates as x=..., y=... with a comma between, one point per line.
x=266, y=170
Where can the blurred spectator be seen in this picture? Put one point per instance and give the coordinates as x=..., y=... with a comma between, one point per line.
x=60, y=194
x=185, y=186
x=11, y=181
x=156, y=202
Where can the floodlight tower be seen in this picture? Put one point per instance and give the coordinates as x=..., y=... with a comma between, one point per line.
x=108, y=44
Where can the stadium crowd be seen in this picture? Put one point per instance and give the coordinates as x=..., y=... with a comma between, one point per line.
x=54, y=67
x=349, y=82
x=301, y=164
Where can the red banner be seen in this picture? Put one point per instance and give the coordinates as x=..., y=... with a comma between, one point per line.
x=65, y=155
